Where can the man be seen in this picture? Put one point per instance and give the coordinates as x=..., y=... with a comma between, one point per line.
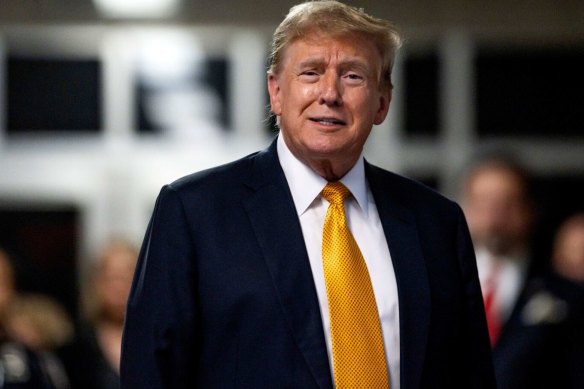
x=249, y=276
x=531, y=315
x=500, y=214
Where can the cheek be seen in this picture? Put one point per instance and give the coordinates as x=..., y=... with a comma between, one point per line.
x=304, y=96
x=306, y=93
x=296, y=101
x=364, y=105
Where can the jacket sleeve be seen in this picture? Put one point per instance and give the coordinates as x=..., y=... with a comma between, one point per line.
x=159, y=347
x=479, y=350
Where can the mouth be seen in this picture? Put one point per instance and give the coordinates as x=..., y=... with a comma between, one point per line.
x=328, y=121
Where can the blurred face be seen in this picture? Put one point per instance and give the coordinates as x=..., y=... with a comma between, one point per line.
x=6, y=283
x=327, y=97
x=498, y=213
x=114, y=281
x=568, y=256
x=26, y=332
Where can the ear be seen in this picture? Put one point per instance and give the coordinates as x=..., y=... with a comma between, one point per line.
x=384, y=100
x=274, y=91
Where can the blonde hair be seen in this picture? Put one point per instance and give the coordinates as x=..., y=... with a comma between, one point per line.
x=92, y=306
x=334, y=18
x=45, y=316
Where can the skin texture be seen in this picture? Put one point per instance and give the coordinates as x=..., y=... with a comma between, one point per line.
x=327, y=97
x=6, y=284
x=113, y=281
x=568, y=254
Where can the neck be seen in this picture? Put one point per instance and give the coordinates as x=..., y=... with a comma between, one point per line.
x=330, y=166
x=110, y=320
x=329, y=170
x=110, y=325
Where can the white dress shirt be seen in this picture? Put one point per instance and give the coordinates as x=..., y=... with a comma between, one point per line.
x=510, y=273
x=364, y=222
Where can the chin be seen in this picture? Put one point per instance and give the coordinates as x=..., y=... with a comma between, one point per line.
x=499, y=245
x=326, y=147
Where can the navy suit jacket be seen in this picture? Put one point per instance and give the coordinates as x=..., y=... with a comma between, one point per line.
x=542, y=343
x=224, y=297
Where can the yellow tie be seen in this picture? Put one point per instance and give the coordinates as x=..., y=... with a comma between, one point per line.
x=357, y=341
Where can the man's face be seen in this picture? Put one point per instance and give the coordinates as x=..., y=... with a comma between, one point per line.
x=327, y=96
x=568, y=255
x=6, y=283
x=114, y=280
x=497, y=210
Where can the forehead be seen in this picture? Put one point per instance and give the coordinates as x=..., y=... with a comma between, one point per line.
x=319, y=46
x=492, y=180
x=5, y=268
x=115, y=258
x=573, y=229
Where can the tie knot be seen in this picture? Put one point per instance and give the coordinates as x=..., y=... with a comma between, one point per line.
x=335, y=192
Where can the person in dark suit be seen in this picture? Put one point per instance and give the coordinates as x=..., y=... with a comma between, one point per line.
x=276, y=270
x=534, y=314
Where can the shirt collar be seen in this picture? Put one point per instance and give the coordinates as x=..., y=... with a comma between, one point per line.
x=486, y=261
x=305, y=185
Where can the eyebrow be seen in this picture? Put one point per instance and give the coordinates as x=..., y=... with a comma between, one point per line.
x=351, y=64
x=311, y=62
x=359, y=65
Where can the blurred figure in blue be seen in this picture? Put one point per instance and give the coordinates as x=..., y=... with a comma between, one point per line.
x=531, y=315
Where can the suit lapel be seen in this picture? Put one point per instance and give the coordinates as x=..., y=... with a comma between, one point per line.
x=399, y=226
x=275, y=223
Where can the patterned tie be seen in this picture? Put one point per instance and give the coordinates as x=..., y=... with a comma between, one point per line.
x=357, y=341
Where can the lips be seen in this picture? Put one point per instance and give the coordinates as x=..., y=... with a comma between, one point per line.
x=328, y=121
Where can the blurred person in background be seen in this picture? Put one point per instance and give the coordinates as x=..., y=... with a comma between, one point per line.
x=500, y=212
x=567, y=279
x=20, y=366
x=568, y=252
x=92, y=360
x=41, y=323
x=526, y=309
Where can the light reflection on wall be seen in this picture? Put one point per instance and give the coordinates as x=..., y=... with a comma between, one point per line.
x=170, y=73
x=137, y=8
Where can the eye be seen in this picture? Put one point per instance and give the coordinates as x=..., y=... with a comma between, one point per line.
x=309, y=75
x=353, y=77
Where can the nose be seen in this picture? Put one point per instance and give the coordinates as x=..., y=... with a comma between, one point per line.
x=330, y=90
